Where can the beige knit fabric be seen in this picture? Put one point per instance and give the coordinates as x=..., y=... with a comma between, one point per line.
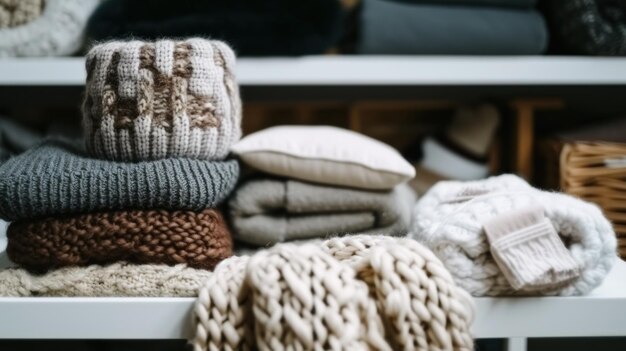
x=119, y=279
x=14, y=13
x=529, y=251
x=352, y=293
x=161, y=99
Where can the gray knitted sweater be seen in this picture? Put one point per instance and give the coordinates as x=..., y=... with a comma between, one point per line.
x=56, y=178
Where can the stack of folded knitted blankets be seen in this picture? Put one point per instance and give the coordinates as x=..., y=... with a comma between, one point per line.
x=451, y=27
x=353, y=293
x=159, y=119
x=319, y=181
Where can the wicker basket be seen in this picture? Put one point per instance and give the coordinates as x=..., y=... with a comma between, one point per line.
x=596, y=172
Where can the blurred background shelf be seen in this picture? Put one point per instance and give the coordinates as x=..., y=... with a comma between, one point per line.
x=364, y=71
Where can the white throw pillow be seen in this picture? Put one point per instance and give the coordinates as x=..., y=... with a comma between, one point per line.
x=324, y=154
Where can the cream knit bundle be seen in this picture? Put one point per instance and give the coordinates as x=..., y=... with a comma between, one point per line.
x=14, y=13
x=450, y=219
x=352, y=293
x=58, y=30
x=119, y=279
x=162, y=99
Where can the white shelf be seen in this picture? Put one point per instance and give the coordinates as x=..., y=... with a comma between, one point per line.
x=364, y=71
x=603, y=313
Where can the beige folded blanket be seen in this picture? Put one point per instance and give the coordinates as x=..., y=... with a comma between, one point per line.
x=269, y=211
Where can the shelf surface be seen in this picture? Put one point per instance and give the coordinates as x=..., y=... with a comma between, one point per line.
x=602, y=313
x=364, y=71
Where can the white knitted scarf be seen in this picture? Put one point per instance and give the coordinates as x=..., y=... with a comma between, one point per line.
x=352, y=293
x=449, y=219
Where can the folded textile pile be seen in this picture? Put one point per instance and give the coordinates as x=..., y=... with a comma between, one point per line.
x=159, y=119
x=451, y=27
x=274, y=210
x=252, y=27
x=587, y=27
x=335, y=182
x=500, y=236
x=43, y=27
x=356, y=292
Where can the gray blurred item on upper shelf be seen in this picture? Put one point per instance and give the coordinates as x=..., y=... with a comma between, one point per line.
x=460, y=152
x=587, y=27
x=390, y=27
x=525, y=4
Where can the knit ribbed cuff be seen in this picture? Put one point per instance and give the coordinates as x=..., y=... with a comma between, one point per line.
x=529, y=251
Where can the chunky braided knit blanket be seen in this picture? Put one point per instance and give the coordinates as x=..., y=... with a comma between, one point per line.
x=56, y=178
x=352, y=293
x=267, y=211
x=55, y=29
x=449, y=219
x=198, y=239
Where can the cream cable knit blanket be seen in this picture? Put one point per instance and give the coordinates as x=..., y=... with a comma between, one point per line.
x=449, y=219
x=352, y=293
x=119, y=279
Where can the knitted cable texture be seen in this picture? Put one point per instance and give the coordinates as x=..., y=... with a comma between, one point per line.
x=15, y=13
x=198, y=239
x=450, y=220
x=360, y=292
x=55, y=178
x=161, y=99
x=58, y=30
x=118, y=279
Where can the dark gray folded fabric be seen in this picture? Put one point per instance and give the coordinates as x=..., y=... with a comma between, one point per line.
x=269, y=211
x=587, y=27
x=56, y=178
x=495, y=3
x=389, y=27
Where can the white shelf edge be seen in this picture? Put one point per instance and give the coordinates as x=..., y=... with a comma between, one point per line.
x=364, y=71
x=603, y=313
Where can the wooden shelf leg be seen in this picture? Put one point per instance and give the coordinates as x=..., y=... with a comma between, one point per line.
x=524, y=138
x=516, y=344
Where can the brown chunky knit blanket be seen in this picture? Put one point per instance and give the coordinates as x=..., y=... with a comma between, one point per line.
x=198, y=239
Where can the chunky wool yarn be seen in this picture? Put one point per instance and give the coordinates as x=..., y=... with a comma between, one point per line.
x=59, y=28
x=118, y=279
x=198, y=239
x=450, y=220
x=56, y=178
x=15, y=13
x=153, y=100
x=354, y=293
